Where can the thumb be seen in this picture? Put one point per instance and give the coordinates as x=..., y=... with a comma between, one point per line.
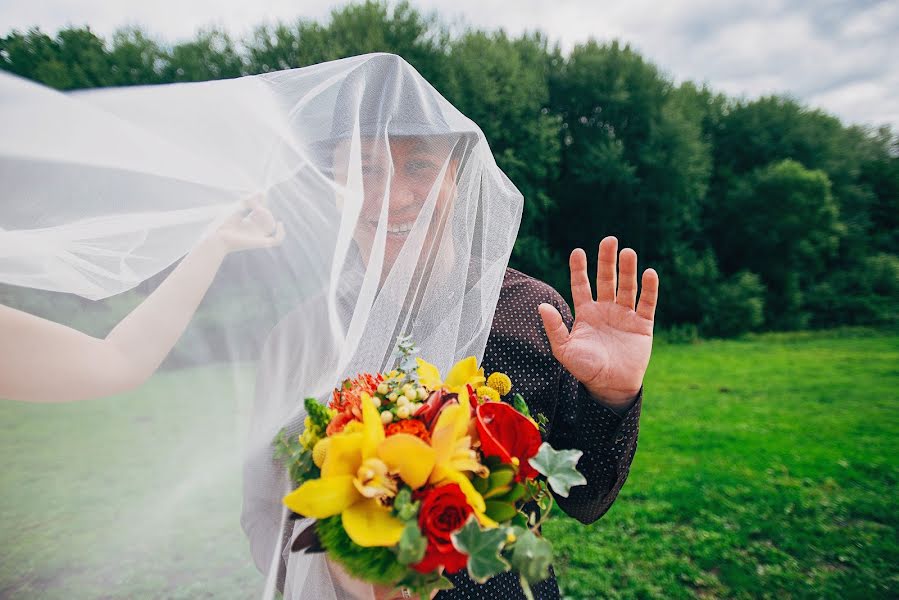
x=555, y=327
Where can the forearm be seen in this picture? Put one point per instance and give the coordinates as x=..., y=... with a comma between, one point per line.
x=144, y=337
x=608, y=440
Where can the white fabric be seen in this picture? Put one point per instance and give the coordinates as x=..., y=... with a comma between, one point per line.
x=103, y=189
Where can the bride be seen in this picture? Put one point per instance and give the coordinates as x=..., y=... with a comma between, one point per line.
x=400, y=223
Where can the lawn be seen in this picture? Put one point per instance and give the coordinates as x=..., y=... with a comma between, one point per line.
x=767, y=468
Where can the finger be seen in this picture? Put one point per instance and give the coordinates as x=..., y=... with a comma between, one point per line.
x=236, y=217
x=555, y=327
x=263, y=219
x=627, y=279
x=279, y=234
x=580, y=283
x=649, y=295
x=254, y=201
x=605, y=269
x=273, y=240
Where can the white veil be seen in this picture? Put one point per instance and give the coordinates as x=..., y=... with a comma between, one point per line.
x=398, y=222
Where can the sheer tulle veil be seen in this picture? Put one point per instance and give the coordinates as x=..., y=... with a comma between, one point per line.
x=398, y=222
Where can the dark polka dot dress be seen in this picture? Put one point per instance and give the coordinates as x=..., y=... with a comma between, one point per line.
x=518, y=347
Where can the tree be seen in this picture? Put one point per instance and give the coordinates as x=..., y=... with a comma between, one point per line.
x=501, y=84
x=782, y=222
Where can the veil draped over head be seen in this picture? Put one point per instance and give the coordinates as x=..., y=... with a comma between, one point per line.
x=398, y=222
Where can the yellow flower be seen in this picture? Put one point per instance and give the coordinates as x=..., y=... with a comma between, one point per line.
x=320, y=451
x=358, y=478
x=500, y=382
x=465, y=372
x=454, y=457
x=488, y=392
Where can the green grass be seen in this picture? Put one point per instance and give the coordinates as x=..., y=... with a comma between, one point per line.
x=766, y=468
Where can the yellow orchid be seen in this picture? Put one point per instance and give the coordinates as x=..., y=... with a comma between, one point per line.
x=358, y=479
x=464, y=372
x=454, y=457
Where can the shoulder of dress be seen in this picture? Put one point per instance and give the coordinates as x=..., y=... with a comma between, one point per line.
x=520, y=284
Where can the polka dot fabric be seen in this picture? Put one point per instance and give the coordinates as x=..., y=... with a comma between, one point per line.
x=518, y=347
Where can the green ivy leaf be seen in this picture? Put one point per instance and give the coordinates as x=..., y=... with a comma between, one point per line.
x=531, y=555
x=483, y=548
x=412, y=546
x=559, y=467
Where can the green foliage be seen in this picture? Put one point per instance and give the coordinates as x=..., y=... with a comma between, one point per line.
x=404, y=357
x=531, y=555
x=559, y=467
x=297, y=459
x=377, y=565
x=412, y=546
x=318, y=414
x=483, y=548
x=736, y=307
x=866, y=293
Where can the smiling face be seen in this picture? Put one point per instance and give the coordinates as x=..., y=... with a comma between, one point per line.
x=404, y=176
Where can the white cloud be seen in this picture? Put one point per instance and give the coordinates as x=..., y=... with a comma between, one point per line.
x=836, y=55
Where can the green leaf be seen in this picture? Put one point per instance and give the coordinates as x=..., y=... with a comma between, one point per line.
x=481, y=484
x=498, y=483
x=531, y=555
x=500, y=511
x=412, y=545
x=514, y=495
x=559, y=467
x=520, y=405
x=483, y=549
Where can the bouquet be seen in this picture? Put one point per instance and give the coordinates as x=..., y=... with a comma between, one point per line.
x=410, y=476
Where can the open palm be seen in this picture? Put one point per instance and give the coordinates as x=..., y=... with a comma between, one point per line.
x=609, y=346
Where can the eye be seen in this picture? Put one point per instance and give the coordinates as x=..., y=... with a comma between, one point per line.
x=373, y=170
x=419, y=166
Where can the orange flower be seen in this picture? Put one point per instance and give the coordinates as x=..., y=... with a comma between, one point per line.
x=410, y=426
x=346, y=400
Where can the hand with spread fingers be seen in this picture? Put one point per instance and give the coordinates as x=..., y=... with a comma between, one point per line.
x=609, y=345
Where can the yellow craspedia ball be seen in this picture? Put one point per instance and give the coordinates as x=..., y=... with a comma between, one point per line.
x=320, y=451
x=500, y=382
x=488, y=392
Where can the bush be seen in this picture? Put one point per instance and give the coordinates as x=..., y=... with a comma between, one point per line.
x=863, y=294
x=735, y=307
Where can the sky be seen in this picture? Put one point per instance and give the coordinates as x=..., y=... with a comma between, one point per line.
x=842, y=56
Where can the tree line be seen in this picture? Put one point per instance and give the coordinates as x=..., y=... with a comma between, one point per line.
x=758, y=214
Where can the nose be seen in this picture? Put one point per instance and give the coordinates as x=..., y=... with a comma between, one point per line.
x=403, y=199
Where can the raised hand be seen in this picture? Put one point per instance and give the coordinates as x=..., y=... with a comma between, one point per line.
x=254, y=229
x=608, y=347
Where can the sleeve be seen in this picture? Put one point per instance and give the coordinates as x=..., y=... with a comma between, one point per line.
x=607, y=438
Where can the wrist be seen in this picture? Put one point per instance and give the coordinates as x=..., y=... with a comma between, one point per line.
x=615, y=399
x=215, y=246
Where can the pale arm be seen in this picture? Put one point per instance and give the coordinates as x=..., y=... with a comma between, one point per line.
x=43, y=361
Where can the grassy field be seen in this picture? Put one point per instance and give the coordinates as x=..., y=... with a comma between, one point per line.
x=767, y=468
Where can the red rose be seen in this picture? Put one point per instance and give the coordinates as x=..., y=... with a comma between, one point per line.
x=508, y=434
x=444, y=511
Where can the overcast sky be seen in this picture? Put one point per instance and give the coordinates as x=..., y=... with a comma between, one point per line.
x=838, y=55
